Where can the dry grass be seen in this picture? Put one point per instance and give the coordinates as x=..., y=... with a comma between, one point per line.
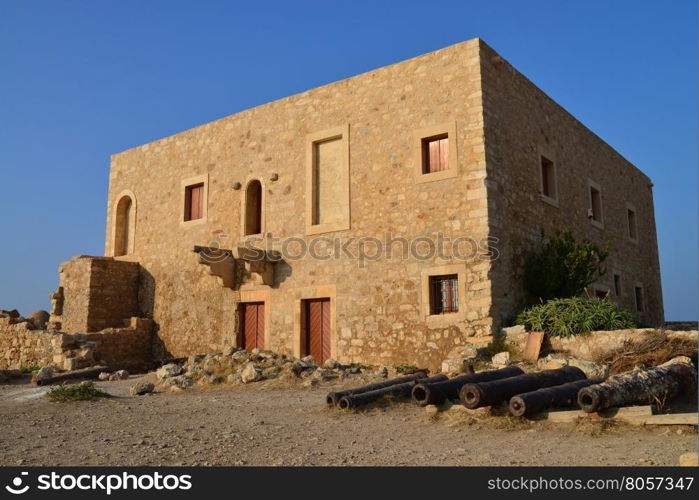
x=654, y=349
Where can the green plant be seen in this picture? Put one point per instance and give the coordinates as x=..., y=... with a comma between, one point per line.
x=562, y=268
x=85, y=391
x=566, y=317
x=29, y=368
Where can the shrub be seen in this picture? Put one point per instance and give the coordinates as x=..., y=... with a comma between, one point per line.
x=29, y=368
x=84, y=391
x=566, y=317
x=562, y=268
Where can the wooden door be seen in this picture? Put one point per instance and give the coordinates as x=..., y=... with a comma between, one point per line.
x=252, y=325
x=317, y=323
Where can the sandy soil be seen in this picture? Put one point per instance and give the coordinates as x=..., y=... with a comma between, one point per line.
x=270, y=424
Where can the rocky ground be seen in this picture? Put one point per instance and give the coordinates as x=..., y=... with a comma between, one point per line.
x=285, y=422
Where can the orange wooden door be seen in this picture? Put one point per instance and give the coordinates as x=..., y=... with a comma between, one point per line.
x=252, y=325
x=317, y=312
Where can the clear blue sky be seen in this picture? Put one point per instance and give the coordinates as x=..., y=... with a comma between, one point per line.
x=80, y=80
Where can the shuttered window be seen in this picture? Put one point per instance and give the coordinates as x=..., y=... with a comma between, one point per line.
x=194, y=202
x=435, y=154
x=444, y=294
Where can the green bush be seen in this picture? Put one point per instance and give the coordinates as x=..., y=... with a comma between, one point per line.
x=84, y=391
x=562, y=268
x=566, y=317
x=29, y=368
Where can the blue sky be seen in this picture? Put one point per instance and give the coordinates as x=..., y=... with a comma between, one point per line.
x=82, y=80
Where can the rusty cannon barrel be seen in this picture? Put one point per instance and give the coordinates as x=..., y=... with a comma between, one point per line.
x=494, y=392
x=436, y=393
x=639, y=387
x=334, y=397
x=355, y=400
x=86, y=373
x=559, y=396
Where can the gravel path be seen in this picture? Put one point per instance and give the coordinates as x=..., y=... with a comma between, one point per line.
x=269, y=424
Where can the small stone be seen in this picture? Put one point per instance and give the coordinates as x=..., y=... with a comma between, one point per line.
x=678, y=359
x=331, y=364
x=689, y=459
x=118, y=375
x=310, y=382
x=168, y=370
x=501, y=359
x=104, y=376
x=591, y=369
x=431, y=410
x=141, y=388
x=309, y=360
x=43, y=373
x=250, y=374
x=551, y=362
x=270, y=372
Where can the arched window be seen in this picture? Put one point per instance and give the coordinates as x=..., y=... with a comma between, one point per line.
x=123, y=226
x=253, y=208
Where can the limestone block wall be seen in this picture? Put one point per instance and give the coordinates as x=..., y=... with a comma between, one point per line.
x=98, y=293
x=377, y=306
x=21, y=346
x=521, y=123
x=118, y=348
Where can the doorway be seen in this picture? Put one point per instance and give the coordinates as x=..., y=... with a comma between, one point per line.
x=252, y=325
x=316, y=328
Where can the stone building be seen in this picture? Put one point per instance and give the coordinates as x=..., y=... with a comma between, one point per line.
x=351, y=191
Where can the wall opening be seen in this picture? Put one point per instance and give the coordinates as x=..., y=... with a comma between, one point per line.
x=595, y=211
x=122, y=229
x=548, y=178
x=631, y=219
x=194, y=202
x=253, y=208
x=444, y=294
x=435, y=154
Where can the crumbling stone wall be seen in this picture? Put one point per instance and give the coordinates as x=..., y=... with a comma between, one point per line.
x=118, y=348
x=95, y=293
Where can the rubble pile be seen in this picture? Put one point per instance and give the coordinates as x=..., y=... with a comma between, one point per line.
x=238, y=366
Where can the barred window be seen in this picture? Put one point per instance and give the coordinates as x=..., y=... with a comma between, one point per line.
x=444, y=294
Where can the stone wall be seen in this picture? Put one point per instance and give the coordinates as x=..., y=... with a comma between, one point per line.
x=522, y=122
x=377, y=306
x=22, y=346
x=96, y=293
x=593, y=345
x=118, y=348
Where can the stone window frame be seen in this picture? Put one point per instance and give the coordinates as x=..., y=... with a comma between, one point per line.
x=419, y=136
x=312, y=140
x=550, y=155
x=132, y=224
x=599, y=224
x=263, y=210
x=425, y=303
x=631, y=208
x=184, y=184
x=615, y=273
x=639, y=286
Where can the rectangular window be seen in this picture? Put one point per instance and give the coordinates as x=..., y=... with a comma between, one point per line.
x=631, y=219
x=444, y=294
x=548, y=179
x=638, y=292
x=435, y=154
x=617, y=284
x=595, y=210
x=194, y=202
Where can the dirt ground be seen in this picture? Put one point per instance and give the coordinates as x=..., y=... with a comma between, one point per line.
x=267, y=423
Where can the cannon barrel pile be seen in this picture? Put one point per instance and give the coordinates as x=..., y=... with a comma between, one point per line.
x=494, y=392
x=558, y=396
x=334, y=397
x=436, y=393
x=357, y=399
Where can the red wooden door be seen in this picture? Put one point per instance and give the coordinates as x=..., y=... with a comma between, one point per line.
x=317, y=313
x=252, y=325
